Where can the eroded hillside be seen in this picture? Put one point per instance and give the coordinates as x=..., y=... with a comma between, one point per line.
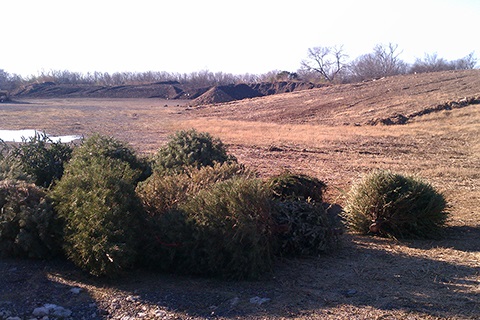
x=394, y=98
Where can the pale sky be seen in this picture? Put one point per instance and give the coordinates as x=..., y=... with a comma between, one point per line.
x=245, y=36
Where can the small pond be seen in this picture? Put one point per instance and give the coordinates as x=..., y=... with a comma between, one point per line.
x=26, y=134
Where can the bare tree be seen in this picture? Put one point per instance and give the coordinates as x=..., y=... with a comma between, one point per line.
x=432, y=63
x=328, y=62
x=3, y=79
x=382, y=62
x=466, y=63
x=9, y=81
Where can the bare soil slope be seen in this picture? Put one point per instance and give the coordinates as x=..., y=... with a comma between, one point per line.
x=358, y=103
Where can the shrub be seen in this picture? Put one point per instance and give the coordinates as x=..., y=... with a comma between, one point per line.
x=103, y=146
x=28, y=225
x=96, y=198
x=164, y=241
x=191, y=148
x=223, y=231
x=303, y=228
x=162, y=192
x=232, y=229
x=10, y=168
x=289, y=186
x=165, y=225
x=40, y=158
x=395, y=205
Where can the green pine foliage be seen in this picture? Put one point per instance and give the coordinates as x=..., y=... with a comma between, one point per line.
x=10, y=167
x=39, y=158
x=162, y=192
x=230, y=230
x=28, y=224
x=97, y=200
x=200, y=212
x=103, y=146
x=168, y=227
x=302, y=225
x=304, y=228
x=290, y=186
x=188, y=148
x=391, y=204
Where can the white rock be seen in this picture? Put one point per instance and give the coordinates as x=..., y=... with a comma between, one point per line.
x=51, y=309
x=160, y=313
x=132, y=298
x=76, y=290
x=234, y=301
x=259, y=301
x=40, y=312
x=50, y=306
x=5, y=313
x=61, y=312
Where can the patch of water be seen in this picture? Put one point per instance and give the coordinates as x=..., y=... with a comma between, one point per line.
x=26, y=134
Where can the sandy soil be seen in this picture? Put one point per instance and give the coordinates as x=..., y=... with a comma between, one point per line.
x=312, y=132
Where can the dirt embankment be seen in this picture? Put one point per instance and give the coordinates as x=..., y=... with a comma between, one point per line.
x=221, y=94
x=162, y=90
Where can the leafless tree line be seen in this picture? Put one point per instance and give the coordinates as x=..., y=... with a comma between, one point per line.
x=323, y=64
x=203, y=78
x=331, y=64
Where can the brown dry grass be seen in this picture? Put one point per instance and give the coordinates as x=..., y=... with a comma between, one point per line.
x=369, y=278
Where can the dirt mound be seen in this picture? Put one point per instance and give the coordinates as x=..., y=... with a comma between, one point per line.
x=269, y=88
x=162, y=90
x=241, y=91
x=213, y=95
x=220, y=94
x=253, y=90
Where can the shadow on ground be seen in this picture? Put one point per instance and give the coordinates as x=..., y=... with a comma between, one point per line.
x=28, y=284
x=378, y=274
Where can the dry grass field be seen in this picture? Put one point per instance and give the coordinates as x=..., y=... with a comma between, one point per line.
x=321, y=132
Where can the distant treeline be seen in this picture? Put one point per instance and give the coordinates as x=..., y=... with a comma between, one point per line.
x=203, y=78
x=323, y=64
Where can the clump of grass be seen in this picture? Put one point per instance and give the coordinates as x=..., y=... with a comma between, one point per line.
x=190, y=148
x=396, y=205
